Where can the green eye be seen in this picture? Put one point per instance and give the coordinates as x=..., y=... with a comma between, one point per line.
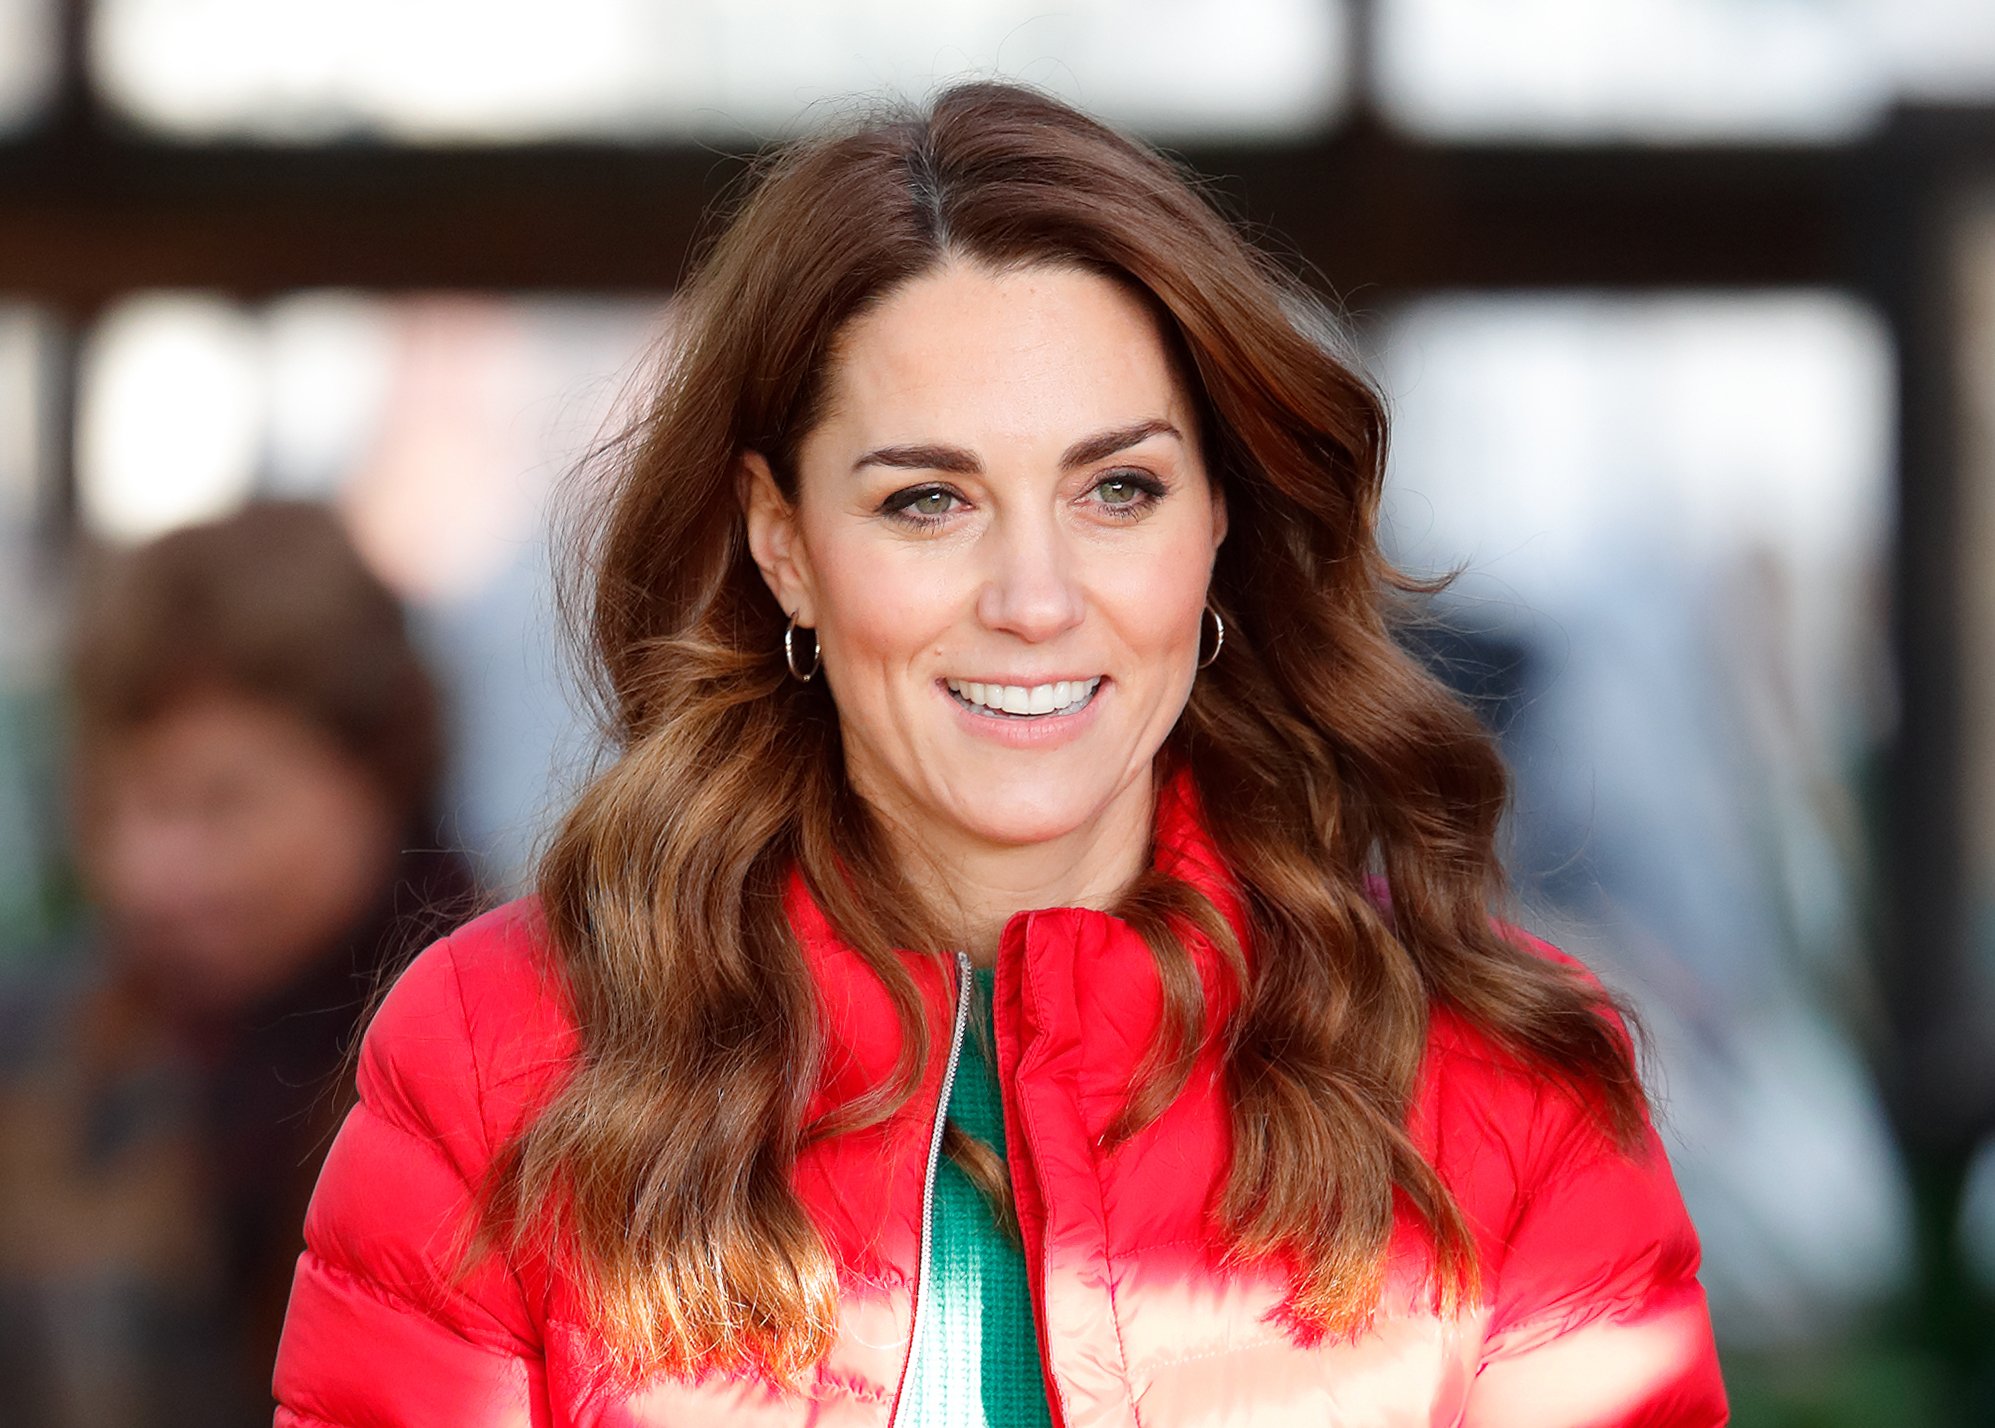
x=920, y=505
x=1127, y=495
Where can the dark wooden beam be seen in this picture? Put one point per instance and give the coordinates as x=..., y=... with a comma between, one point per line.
x=92, y=213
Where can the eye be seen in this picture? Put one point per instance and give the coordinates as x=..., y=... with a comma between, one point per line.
x=1128, y=494
x=920, y=505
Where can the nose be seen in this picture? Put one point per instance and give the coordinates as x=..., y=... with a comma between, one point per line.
x=1031, y=588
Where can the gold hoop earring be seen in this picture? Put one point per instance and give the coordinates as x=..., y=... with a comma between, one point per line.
x=1218, y=636
x=790, y=653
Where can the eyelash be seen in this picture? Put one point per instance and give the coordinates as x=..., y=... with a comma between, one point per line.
x=895, y=507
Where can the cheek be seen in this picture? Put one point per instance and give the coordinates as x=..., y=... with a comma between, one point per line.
x=327, y=832
x=885, y=609
x=149, y=864
x=1156, y=604
x=280, y=845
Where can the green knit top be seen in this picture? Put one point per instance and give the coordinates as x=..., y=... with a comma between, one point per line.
x=976, y=1360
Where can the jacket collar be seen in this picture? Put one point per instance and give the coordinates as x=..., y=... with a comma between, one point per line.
x=1186, y=849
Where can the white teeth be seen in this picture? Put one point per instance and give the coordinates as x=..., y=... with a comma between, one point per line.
x=1063, y=696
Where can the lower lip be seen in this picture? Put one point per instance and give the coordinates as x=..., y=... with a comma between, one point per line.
x=1039, y=731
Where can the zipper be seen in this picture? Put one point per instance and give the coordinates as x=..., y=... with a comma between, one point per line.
x=963, y=989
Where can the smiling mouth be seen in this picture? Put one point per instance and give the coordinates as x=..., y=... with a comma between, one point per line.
x=1024, y=701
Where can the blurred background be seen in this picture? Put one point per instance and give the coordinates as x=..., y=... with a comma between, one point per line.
x=1686, y=310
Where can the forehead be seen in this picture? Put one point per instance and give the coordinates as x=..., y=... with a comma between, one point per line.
x=1024, y=357
x=208, y=725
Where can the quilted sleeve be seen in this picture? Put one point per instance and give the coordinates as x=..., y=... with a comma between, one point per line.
x=382, y=1330
x=1598, y=1318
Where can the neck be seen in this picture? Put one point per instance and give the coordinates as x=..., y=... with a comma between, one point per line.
x=990, y=883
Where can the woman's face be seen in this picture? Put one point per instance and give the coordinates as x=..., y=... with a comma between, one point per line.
x=1002, y=538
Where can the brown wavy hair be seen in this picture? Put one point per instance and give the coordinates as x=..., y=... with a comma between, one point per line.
x=1322, y=752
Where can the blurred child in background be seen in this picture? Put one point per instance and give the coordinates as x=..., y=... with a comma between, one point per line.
x=257, y=752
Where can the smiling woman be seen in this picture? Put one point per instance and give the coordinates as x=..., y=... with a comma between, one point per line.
x=1058, y=1010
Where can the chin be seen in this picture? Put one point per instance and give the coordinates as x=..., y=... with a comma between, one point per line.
x=1018, y=817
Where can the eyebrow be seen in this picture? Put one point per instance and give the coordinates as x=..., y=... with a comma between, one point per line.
x=929, y=456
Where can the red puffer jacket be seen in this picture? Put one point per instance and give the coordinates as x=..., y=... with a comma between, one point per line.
x=1592, y=1313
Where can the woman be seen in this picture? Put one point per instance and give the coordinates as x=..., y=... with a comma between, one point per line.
x=1029, y=957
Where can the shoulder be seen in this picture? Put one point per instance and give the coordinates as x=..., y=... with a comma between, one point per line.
x=1557, y=1199
x=38, y=1012
x=385, y=1311
x=1459, y=1049
x=1497, y=1124
x=474, y=1032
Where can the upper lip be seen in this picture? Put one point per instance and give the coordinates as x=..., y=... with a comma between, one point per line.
x=1026, y=681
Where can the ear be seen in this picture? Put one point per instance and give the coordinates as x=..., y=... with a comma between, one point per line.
x=1218, y=515
x=774, y=537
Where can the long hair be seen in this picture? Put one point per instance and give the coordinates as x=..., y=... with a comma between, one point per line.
x=1323, y=753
